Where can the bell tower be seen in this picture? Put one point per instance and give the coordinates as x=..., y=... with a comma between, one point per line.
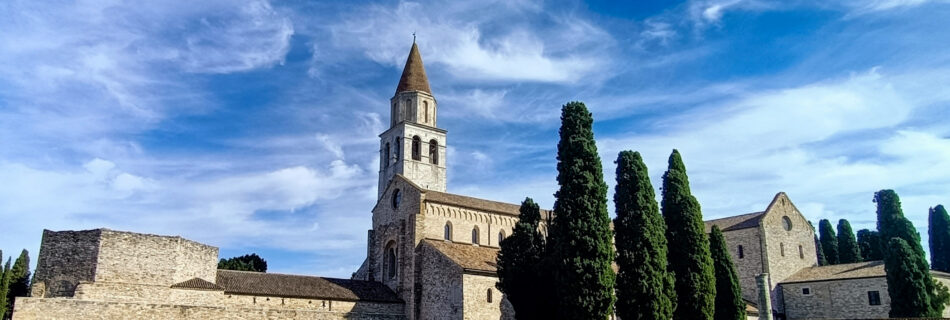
x=413, y=146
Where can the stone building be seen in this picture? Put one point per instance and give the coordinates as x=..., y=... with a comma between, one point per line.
x=430, y=255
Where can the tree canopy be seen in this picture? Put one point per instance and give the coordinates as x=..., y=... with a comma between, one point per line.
x=247, y=262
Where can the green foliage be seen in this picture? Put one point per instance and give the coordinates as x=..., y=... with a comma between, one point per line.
x=519, y=265
x=848, y=250
x=690, y=260
x=19, y=283
x=4, y=287
x=891, y=224
x=729, y=304
x=939, y=230
x=247, y=262
x=580, y=235
x=906, y=282
x=645, y=289
x=820, y=253
x=829, y=242
x=870, y=244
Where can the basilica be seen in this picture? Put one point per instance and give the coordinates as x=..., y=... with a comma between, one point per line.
x=430, y=255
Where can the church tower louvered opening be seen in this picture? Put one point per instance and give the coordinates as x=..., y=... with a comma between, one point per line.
x=413, y=130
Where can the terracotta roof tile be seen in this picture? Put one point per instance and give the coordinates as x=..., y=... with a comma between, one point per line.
x=197, y=283
x=294, y=286
x=476, y=203
x=838, y=272
x=742, y=221
x=467, y=256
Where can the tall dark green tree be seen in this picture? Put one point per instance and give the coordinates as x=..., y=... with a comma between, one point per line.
x=848, y=250
x=939, y=230
x=870, y=244
x=891, y=223
x=4, y=286
x=580, y=236
x=519, y=265
x=690, y=261
x=829, y=242
x=645, y=289
x=907, y=282
x=247, y=262
x=820, y=253
x=19, y=279
x=729, y=304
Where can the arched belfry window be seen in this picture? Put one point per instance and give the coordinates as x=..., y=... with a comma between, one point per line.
x=448, y=231
x=398, y=150
x=489, y=295
x=386, y=156
x=416, y=148
x=409, y=110
x=391, y=262
x=475, y=235
x=434, y=151
x=425, y=107
x=501, y=236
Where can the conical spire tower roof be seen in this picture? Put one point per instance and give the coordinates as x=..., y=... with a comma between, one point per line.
x=414, y=74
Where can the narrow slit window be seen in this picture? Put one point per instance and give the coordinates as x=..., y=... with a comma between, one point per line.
x=434, y=151
x=741, y=252
x=416, y=148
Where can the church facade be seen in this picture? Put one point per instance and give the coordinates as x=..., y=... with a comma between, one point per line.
x=430, y=255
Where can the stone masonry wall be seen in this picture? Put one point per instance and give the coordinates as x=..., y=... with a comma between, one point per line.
x=838, y=299
x=69, y=309
x=396, y=226
x=66, y=259
x=441, y=286
x=750, y=264
x=152, y=259
x=476, y=303
x=463, y=221
x=788, y=251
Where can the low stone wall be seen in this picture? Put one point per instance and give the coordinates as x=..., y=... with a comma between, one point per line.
x=62, y=308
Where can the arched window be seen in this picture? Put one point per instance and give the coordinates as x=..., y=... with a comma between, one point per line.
x=475, y=235
x=391, y=262
x=448, y=231
x=501, y=236
x=398, y=146
x=781, y=248
x=416, y=148
x=801, y=252
x=386, y=156
x=489, y=295
x=434, y=151
x=425, y=106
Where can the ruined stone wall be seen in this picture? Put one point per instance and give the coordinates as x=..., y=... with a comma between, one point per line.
x=788, y=251
x=837, y=299
x=66, y=258
x=151, y=259
x=463, y=221
x=476, y=303
x=61, y=308
x=441, y=286
x=750, y=264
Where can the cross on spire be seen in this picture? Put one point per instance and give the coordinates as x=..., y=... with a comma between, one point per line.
x=413, y=37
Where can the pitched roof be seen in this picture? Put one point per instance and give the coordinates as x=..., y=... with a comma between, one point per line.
x=742, y=221
x=868, y=269
x=476, y=203
x=467, y=256
x=197, y=283
x=413, y=74
x=294, y=286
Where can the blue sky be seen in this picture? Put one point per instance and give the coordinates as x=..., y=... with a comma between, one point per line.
x=252, y=125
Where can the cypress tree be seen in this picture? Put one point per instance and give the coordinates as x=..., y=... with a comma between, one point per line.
x=4, y=286
x=907, y=282
x=519, y=264
x=580, y=234
x=891, y=223
x=848, y=250
x=729, y=304
x=939, y=230
x=829, y=242
x=690, y=262
x=870, y=244
x=19, y=283
x=820, y=253
x=644, y=285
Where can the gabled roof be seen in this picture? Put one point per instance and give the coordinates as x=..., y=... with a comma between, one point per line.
x=308, y=287
x=868, y=269
x=742, y=221
x=469, y=257
x=476, y=203
x=197, y=283
x=414, y=73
